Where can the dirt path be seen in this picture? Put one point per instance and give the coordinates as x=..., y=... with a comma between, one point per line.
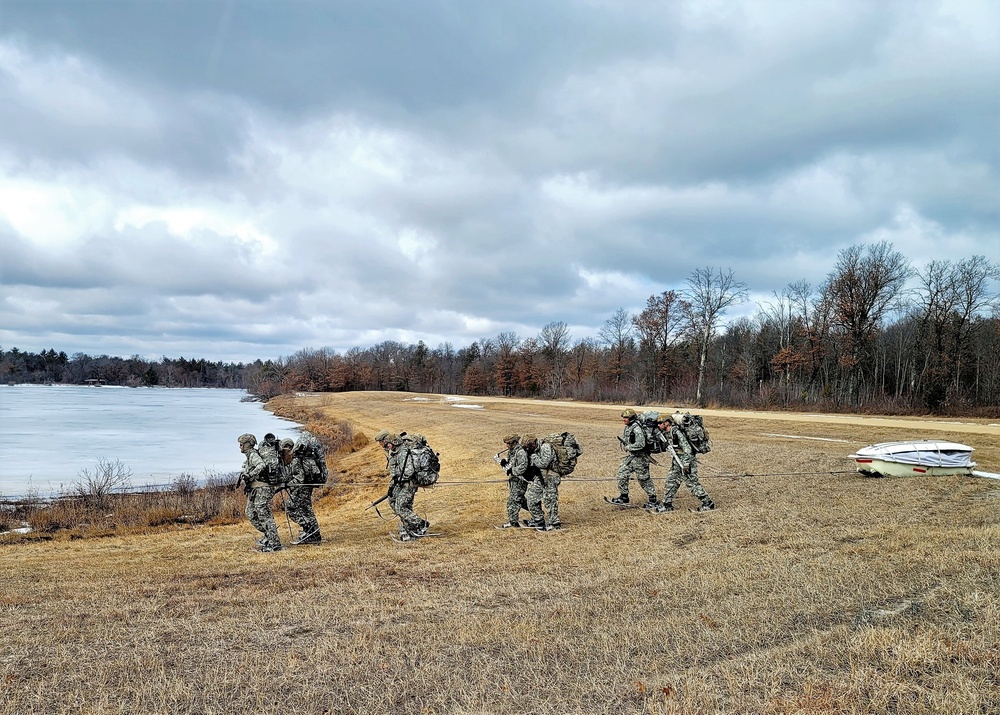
x=969, y=426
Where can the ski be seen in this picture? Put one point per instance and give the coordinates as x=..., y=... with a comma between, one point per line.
x=623, y=506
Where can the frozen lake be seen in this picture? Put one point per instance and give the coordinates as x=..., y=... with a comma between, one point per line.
x=48, y=434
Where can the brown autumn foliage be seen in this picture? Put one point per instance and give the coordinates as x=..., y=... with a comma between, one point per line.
x=811, y=590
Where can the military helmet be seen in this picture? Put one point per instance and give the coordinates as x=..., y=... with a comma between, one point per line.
x=394, y=439
x=528, y=439
x=511, y=439
x=662, y=417
x=287, y=443
x=629, y=413
x=247, y=439
x=269, y=437
x=382, y=436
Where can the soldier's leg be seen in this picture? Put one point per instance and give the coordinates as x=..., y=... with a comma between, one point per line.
x=299, y=509
x=295, y=507
x=262, y=505
x=550, y=497
x=696, y=488
x=534, y=497
x=671, y=485
x=624, y=472
x=251, y=512
x=645, y=481
x=404, y=505
x=515, y=500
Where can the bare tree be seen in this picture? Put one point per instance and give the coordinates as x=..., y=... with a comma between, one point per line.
x=710, y=293
x=661, y=327
x=617, y=334
x=504, y=373
x=554, y=341
x=864, y=285
x=952, y=295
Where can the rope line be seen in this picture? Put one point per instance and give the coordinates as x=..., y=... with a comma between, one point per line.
x=723, y=475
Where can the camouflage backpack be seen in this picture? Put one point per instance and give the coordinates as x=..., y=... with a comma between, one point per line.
x=651, y=430
x=567, y=449
x=426, y=462
x=694, y=429
x=310, y=453
x=268, y=451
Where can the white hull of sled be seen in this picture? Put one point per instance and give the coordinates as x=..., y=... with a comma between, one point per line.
x=934, y=458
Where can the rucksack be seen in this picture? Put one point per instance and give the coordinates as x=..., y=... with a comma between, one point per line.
x=269, y=453
x=567, y=449
x=426, y=462
x=310, y=454
x=650, y=421
x=694, y=429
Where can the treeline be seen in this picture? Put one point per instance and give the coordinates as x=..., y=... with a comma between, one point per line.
x=877, y=335
x=50, y=367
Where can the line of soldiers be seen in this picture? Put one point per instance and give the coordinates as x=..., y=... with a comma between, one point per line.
x=533, y=472
x=683, y=463
x=294, y=467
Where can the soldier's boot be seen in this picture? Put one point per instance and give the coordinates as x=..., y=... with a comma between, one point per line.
x=620, y=499
x=706, y=505
x=652, y=506
x=664, y=507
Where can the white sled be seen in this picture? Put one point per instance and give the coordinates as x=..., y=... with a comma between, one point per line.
x=920, y=458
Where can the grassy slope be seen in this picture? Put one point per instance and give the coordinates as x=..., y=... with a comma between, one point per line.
x=803, y=594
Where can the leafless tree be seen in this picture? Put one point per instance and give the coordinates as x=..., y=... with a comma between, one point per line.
x=554, y=340
x=617, y=335
x=864, y=286
x=661, y=327
x=710, y=293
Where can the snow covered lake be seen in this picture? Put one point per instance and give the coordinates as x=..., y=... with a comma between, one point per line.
x=49, y=433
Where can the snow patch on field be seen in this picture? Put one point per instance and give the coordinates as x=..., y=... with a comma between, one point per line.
x=818, y=439
x=470, y=407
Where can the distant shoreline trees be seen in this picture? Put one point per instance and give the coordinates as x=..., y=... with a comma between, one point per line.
x=859, y=342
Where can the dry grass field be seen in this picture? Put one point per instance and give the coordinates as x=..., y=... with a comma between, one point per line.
x=810, y=590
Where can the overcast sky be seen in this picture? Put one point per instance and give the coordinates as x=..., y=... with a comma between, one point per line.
x=246, y=178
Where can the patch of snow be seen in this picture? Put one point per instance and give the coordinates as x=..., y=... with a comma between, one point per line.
x=470, y=407
x=454, y=398
x=417, y=399
x=818, y=439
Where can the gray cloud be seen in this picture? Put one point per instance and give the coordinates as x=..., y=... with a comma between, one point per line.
x=239, y=179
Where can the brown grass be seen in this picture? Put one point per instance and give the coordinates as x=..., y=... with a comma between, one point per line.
x=805, y=593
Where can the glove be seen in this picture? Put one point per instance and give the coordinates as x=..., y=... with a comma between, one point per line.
x=503, y=463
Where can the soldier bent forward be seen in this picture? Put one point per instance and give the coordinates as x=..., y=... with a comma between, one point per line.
x=403, y=489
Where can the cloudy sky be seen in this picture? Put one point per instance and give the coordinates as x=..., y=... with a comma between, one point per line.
x=234, y=179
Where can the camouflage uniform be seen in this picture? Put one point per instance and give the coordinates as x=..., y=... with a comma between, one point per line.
x=686, y=471
x=403, y=489
x=545, y=460
x=541, y=455
x=308, y=468
x=259, y=494
x=516, y=466
x=636, y=460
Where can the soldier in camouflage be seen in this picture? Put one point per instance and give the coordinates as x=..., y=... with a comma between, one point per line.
x=307, y=471
x=516, y=467
x=545, y=460
x=403, y=489
x=635, y=461
x=683, y=466
x=540, y=458
x=259, y=491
